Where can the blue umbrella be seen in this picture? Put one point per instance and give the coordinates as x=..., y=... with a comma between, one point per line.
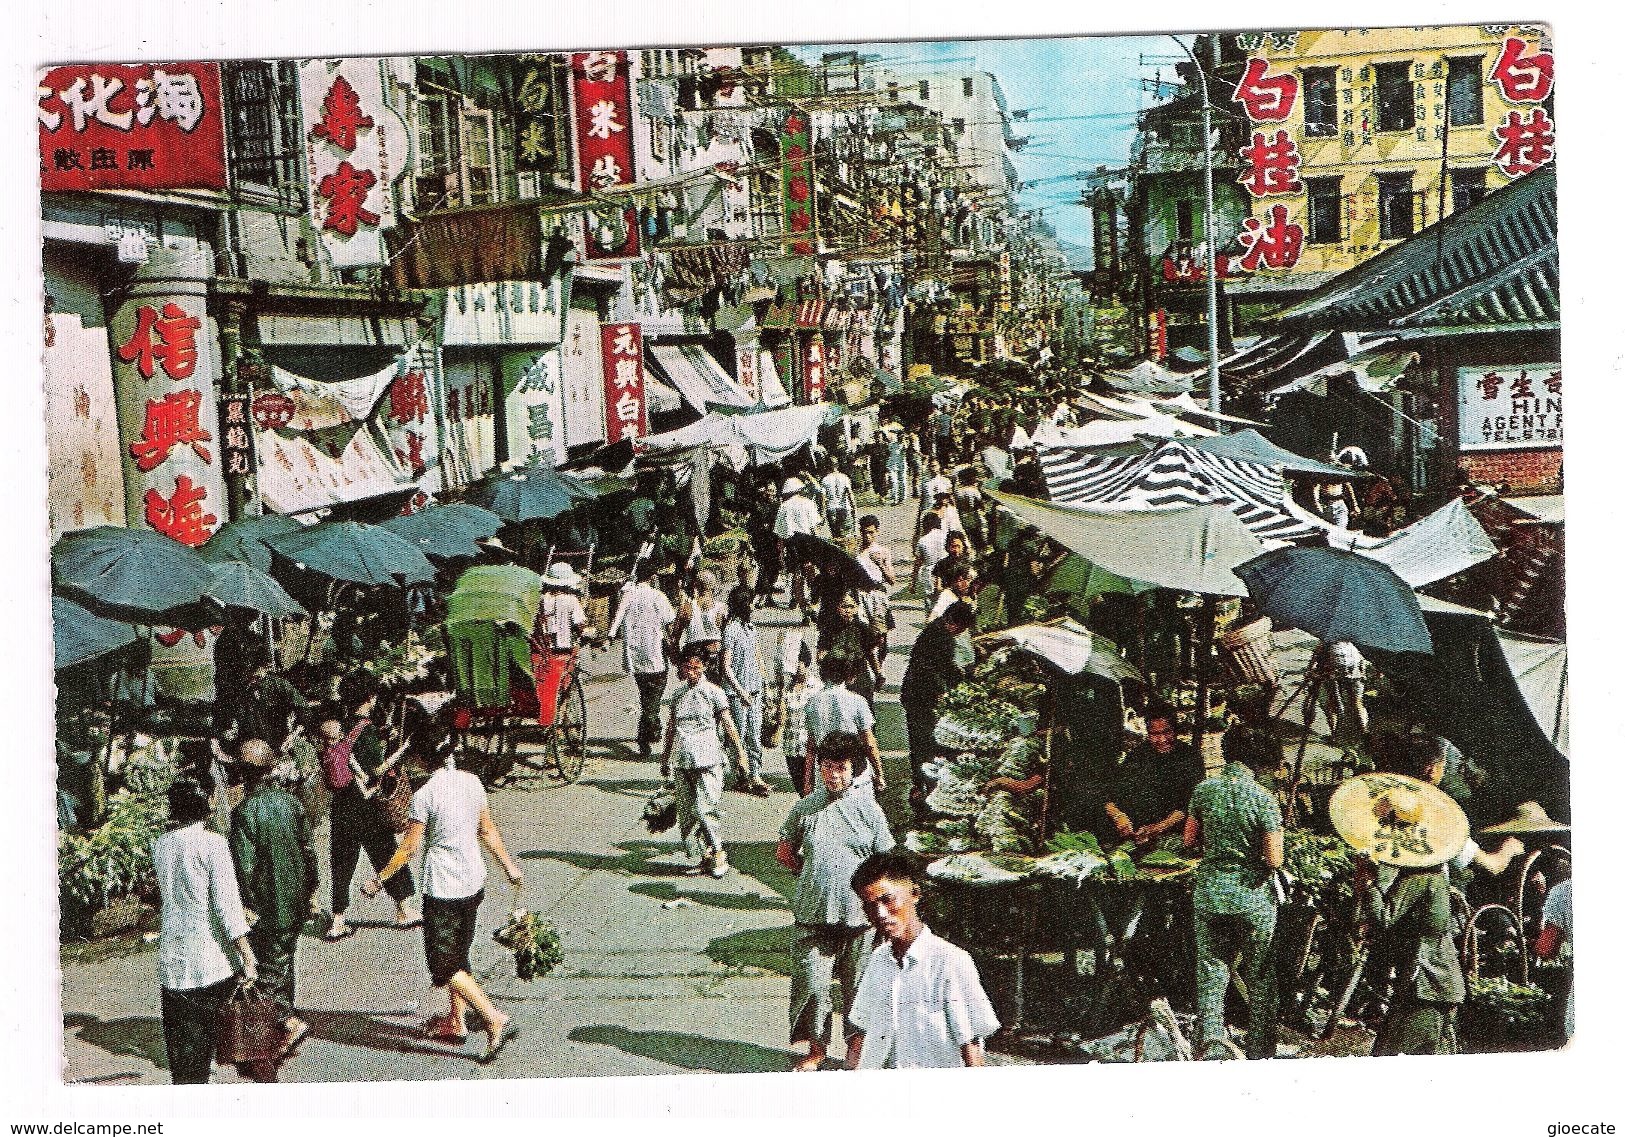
x=446, y=530
x=81, y=635
x=349, y=550
x=130, y=569
x=1336, y=596
x=242, y=585
x=534, y=493
x=244, y=540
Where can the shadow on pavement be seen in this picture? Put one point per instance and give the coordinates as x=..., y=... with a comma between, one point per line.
x=628, y=787
x=766, y=949
x=756, y=859
x=688, y=1051
x=356, y=1028
x=754, y=901
x=635, y=860
x=135, y=1037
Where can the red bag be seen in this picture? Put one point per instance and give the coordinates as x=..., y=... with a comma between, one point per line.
x=250, y=1028
x=336, y=758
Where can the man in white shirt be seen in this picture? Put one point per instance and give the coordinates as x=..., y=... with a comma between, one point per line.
x=839, y=504
x=797, y=514
x=561, y=618
x=932, y=485
x=929, y=549
x=693, y=759
x=449, y=821
x=920, y=1002
x=646, y=615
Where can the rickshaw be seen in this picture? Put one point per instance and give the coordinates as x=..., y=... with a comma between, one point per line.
x=505, y=687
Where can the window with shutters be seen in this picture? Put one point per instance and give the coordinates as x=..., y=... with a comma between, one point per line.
x=1396, y=101
x=1467, y=188
x=1325, y=210
x=1464, y=87
x=478, y=152
x=438, y=165
x=1396, y=206
x=1320, y=102
x=265, y=129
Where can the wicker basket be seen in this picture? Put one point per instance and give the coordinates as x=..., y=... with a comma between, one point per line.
x=1252, y=651
x=598, y=613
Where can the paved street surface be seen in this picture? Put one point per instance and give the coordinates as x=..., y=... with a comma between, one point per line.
x=662, y=972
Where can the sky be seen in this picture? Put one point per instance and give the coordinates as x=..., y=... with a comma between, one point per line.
x=1094, y=76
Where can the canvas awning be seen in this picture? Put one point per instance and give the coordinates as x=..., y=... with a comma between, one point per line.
x=700, y=378
x=1251, y=446
x=1193, y=549
x=1445, y=542
x=1150, y=378
x=1175, y=476
x=296, y=476
x=1541, y=669
x=769, y=436
x=1374, y=371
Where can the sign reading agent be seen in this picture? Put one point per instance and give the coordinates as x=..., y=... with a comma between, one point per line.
x=1510, y=408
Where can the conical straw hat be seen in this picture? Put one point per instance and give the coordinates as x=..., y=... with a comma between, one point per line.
x=1398, y=820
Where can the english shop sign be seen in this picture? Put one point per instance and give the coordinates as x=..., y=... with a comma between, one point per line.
x=1507, y=408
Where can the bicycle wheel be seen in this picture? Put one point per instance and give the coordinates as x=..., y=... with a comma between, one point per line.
x=568, y=741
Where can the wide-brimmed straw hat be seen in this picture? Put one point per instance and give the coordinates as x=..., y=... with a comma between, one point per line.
x=562, y=575
x=1398, y=820
x=793, y=485
x=1529, y=818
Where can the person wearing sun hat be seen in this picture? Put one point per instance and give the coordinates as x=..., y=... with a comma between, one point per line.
x=1413, y=827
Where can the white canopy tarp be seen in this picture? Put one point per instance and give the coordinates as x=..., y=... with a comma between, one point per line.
x=1445, y=542
x=769, y=436
x=320, y=404
x=1191, y=549
x=1150, y=378
x=699, y=377
x=1541, y=668
x=1115, y=432
x=1070, y=646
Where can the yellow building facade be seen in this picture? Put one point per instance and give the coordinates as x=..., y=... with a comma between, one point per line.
x=1392, y=128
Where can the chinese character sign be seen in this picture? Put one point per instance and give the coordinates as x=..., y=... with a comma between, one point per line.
x=1510, y=408
x=795, y=153
x=158, y=126
x=625, y=412
x=1270, y=165
x=1266, y=97
x=237, y=435
x=356, y=150
x=603, y=98
x=169, y=427
x=1271, y=241
x=814, y=369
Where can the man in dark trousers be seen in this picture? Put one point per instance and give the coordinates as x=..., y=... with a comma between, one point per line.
x=276, y=875
x=932, y=670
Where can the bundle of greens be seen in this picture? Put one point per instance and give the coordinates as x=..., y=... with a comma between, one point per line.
x=115, y=858
x=978, y=868
x=1002, y=827
x=1323, y=866
x=723, y=543
x=1020, y=759
x=926, y=843
x=534, y=943
x=955, y=796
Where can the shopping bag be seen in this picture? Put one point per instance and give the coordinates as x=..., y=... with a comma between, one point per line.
x=250, y=1028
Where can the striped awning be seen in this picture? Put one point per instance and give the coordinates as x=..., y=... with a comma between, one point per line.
x=1176, y=476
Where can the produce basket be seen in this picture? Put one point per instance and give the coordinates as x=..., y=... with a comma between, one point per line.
x=1251, y=651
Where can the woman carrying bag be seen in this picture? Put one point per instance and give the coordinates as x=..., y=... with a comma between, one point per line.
x=202, y=926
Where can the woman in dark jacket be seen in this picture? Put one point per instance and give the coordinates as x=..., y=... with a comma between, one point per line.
x=353, y=756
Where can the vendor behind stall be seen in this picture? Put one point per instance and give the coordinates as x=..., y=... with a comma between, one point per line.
x=1148, y=791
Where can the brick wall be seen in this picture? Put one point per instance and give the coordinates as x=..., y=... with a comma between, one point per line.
x=1525, y=471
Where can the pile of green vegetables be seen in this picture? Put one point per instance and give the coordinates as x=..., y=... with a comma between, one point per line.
x=115, y=858
x=1322, y=866
x=1079, y=856
x=534, y=943
x=1516, y=1006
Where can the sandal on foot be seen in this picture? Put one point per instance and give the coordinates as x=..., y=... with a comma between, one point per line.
x=495, y=1045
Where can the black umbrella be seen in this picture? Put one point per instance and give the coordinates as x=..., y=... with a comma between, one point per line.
x=831, y=559
x=1337, y=596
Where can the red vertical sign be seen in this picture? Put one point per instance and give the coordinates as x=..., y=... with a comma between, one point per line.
x=147, y=126
x=625, y=413
x=603, y=95
x=813, y=368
